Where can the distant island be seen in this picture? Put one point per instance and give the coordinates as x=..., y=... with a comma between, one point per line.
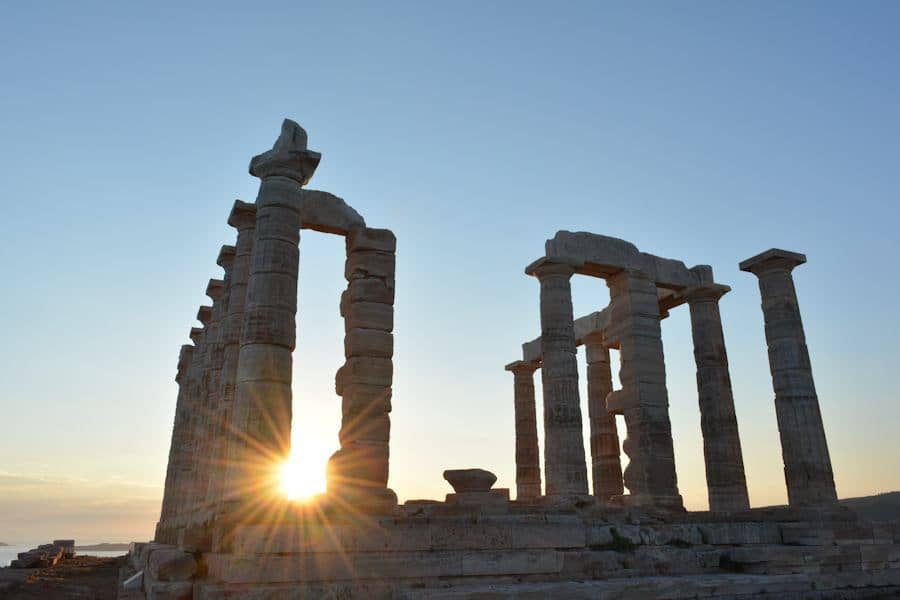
x=104, y=547
x=2, y=544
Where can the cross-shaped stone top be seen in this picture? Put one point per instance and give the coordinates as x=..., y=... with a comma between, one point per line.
x=289, y=157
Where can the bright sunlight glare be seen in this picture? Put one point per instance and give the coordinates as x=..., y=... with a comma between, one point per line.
x=303, y=473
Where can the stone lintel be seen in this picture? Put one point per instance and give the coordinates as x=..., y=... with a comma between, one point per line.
x=243, y=215
x=289, y=157
x=325, y=212
x=214, y=288
x=587, y=328
x=522, y=366
x=603, y=256
x=204, y=315
x=773, y=258
x=549, y=265
x=226, y=256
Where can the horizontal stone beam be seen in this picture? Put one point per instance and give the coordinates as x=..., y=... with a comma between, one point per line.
x=602, y=256
x=593, y=323
x=325, y=212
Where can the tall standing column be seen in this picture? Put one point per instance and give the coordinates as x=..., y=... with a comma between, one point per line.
x=725, y=480
x=528, y=465
x=644, y=400
x=358, y=472
x=807, y=464
x=212, y=365
x=262, y=409
x=176, y=448
x=564, y=462
x=606, y=464
x=243, y=218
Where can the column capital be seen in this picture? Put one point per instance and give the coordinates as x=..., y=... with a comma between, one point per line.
x=204, y=315
x=772, y=260
x=521, y=366
x=544, y=267
x=215, y=288
x=289, y=157
x=243, y=215
x=197, y=332
x=704, y=293
x=226, y=256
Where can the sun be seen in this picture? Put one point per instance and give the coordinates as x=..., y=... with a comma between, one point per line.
x=302, y=476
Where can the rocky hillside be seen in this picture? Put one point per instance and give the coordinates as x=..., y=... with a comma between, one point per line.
x=880, y=507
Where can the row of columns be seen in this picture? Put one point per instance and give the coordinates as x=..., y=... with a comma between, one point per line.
x=233, y=416
x=643, y=399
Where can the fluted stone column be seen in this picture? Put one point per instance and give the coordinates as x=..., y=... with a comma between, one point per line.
x=528, y=465
x=644, y=401
x=807, y=464
x=212, y=365
x=358, y=472
x=725, y=479
x=565, y=470
x=606, y=464
x=262, y=408
x=243, y=218
x=191, y=388
x=176, y=449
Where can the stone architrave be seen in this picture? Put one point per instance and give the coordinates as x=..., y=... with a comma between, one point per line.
x=262, y=406
x=358, y=472
x=725, y=480
x=606, y=463
x=807, y=464
x=565, y=471
x=643, y=400
x=242, y=218
x=528, y=465
x=176, y=448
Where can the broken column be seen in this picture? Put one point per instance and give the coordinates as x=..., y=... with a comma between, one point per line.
x=243, y=218
x=358, y=472
x=528, y=466
x=807, y=464
x=262, y=407
x=606, y=464
x=725, y=480
x=643, y=400
x=564, y=463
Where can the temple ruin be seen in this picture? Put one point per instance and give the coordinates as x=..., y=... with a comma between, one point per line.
x=226, y=531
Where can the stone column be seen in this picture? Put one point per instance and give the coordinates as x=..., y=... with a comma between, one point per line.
x=606, y=464
x=807, y=464
x=243, y=218
x=358, y=472
x=176, y=449
x=564, y=464
x=212, y=365
x=725, y=480
x=643, y=400
x=262, y=406
x=528, y=465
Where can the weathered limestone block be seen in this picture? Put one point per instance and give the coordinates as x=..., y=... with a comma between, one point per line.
x=368, y=315
x=565, y=469
x=367, y=238
x=368, y=342
x=180, y=590
x=807, y=464
x=171, y=565
x=370, y=264
x=322, y=211
x=728, y=534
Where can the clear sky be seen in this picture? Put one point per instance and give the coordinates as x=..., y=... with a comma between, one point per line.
x=703, y=131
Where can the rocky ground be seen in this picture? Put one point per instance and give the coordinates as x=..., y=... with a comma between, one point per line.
x=80, y=578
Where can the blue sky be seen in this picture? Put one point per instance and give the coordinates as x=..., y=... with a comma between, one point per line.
x=700, y=131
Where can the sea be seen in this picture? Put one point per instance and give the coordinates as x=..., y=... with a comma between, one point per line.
x=9, y=553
